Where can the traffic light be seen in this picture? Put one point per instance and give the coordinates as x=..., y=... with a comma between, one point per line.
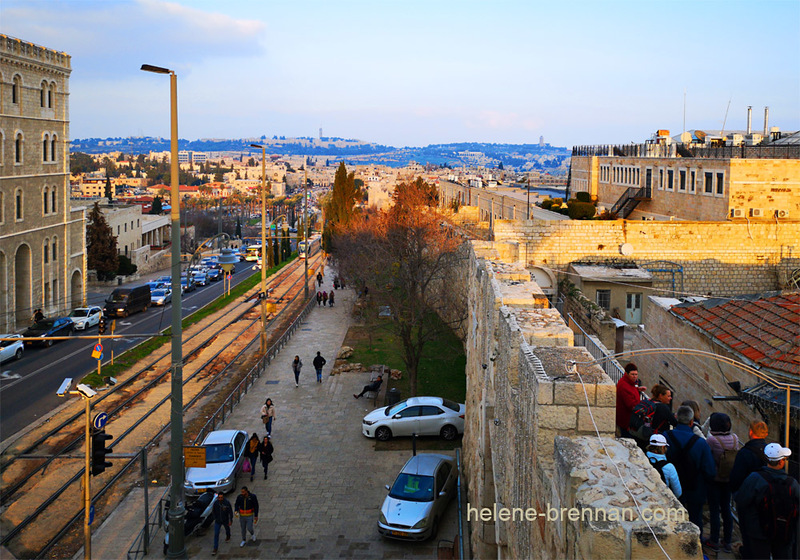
x=99, y=450
x=101, y=326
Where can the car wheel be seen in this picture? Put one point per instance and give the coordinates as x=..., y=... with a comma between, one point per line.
x=18, y=355
x=383, y=433
x=449, y=433
x=435, y=528
x=48, y=343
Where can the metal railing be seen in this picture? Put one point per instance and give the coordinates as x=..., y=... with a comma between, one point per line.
x=611, y=366
x=655, y=150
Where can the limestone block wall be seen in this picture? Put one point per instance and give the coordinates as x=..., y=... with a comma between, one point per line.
x=524, y=403
x=718, y=258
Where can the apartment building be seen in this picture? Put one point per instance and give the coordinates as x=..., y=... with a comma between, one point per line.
x=42, y=239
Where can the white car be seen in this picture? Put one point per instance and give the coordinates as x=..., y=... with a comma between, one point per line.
x=423, y=416
x=85, y=317
x=224, y=458
x=11, y=349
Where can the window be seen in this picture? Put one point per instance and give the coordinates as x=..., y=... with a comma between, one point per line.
x=45, y=142
x=15, y=90
x=46, y=294
x=18, y=211
x=648, y=179
x=55, y=291
x=53, y=148
x=53, y=207
x=55, y=249
x=50, y=95
x=46, y=251
x=43, y=94
x=670, y=180
x=708, y=184
x=682, y=180
x=117, y=231
x=692, y=181
x=2, y=207
x=720, y=184
x=126, y=227
x=44, y=201
x=661, y=179
x=603, y=299
x=18, y=148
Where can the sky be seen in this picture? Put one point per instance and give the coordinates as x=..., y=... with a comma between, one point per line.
x=413, y=73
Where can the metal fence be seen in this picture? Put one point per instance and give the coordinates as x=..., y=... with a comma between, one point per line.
x=599, y=352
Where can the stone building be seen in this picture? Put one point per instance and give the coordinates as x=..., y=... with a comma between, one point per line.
x=690, y=180
x=42, y=239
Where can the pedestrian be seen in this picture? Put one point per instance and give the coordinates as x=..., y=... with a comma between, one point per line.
x=222, y=512
x=319, y=363
x=330, y=299
x=663, y=419
x=724, y=448
x=251, y=453
x=319, y=278
x=767, y=504
x=38, y=316
x=692, y=458
x=750, y=457
x=335, y=282
x=319, y=299
x=297, y=365
x=657, y=455
x=268, y=415
x=265, y=450
x=696, y=427
x=629, y=392
x=246, y=509
x=324, y=299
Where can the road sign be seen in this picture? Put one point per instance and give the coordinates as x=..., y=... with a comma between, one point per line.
x=97, y=351
x=194, y=456
x=100, y=420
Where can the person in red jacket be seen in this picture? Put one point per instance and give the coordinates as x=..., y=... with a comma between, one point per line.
x=628, y=394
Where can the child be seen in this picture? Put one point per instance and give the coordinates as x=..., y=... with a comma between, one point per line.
x=656, y=454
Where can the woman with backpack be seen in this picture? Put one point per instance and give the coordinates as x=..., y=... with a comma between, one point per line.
x=656, y=454
x=724, y=447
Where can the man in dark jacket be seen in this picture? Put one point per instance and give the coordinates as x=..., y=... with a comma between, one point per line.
x=374, y=386
x=319, y=362
x=246, y=508
x=222, y=512
x=757, y=487
x=750, y=457
x=692, y=458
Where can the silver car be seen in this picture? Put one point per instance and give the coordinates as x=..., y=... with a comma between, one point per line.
x=423, y=416
x=418, y=498
x=224, y=458
x=160, y=297
x=85, y=317
x=11, y=349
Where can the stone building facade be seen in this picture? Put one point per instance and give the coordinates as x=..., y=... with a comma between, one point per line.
x=42, y=240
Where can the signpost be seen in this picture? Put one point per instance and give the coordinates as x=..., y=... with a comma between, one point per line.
x=194, y=456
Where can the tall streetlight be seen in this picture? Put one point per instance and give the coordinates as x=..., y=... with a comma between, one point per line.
x=305, y=227
x=263, y=246
x=177, y=512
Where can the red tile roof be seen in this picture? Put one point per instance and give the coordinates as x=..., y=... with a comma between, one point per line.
x=765, y=330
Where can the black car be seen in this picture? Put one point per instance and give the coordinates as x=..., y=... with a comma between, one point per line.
x=62, y=326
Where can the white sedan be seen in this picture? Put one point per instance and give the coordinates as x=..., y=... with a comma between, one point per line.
x=11, y=349
x=85, y=317
x=423, y=416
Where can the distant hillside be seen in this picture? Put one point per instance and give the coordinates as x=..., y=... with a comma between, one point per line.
x=545, y=158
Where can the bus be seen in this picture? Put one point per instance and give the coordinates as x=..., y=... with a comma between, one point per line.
x=253, y=253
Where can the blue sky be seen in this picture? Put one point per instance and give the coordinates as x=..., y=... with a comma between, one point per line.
x=412, y=73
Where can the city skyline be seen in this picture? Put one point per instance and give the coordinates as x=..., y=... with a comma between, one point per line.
x=413, y=73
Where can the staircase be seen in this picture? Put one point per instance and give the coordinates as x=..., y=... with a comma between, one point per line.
x=629, y=200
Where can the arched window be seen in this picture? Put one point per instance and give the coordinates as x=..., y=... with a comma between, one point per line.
x=53, y=206
x=44, y=201
x=2, y=207
x=50, y=95
x=45, y=143
x=55, y=249
x=43, y=94
x=18, y=148
x=2, y=145
x=18, y=202
x=16, y=90
x=46, y=251
x=53, y=148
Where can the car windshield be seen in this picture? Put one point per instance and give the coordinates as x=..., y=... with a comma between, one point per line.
x=413, y=488
x=391, y=410
x=117, y=297
x=451, y=405
x=80, y=313
x=44, y=324
x=159, y=293
x=219, y=453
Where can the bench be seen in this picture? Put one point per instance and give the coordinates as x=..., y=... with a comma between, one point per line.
x=382, y=390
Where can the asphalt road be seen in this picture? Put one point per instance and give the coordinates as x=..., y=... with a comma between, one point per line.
x=28, y=386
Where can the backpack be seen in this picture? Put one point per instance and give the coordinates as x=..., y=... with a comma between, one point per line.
x=641, y=420
x=725, y=465
x=777, y=509
x=659, y=466
x=687, y=470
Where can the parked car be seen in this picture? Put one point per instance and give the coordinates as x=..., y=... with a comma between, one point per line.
x=424, y=416
x=124, y=301
x=224, y=458
x=160, y=297
x=418, y=498
x=85, y=317
x=11, y=349
x=61, y=326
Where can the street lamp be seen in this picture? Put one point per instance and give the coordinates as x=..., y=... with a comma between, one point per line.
x=177, y=512
x=263, y=246
x=305, y=228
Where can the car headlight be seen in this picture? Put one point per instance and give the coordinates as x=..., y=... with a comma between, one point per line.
x=382, y=519
x=224, y=481
x=368, y=422
x=187, y=484
x=421, y=524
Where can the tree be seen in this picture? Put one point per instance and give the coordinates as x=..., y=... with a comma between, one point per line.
x=406, y=257
x=109, y=192
x=340, y=207
x=157, y=206
x=82, y=163
x=238, y=228
x=101, y=246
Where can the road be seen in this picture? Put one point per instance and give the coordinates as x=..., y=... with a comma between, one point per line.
x=28, y=386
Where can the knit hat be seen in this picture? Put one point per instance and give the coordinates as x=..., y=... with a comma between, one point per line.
x=720, y=422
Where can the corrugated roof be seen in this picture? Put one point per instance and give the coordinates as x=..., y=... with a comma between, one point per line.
x=765, y=329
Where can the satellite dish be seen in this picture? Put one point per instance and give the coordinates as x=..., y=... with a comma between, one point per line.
x=626, y=249
x=701, y=136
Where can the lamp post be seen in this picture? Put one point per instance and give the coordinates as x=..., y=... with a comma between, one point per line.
x=263, y=246
x=305, y=228
x=177, y=512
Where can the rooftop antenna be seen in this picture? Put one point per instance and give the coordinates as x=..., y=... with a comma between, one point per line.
x=722, y=132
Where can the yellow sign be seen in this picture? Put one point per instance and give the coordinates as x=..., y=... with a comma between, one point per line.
x=271, y=307
x=310, y=272
x=194, y=456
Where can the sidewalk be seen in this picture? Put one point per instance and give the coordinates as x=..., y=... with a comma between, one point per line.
x=326, y=484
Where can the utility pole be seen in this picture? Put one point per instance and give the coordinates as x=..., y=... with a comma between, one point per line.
x=305, y=229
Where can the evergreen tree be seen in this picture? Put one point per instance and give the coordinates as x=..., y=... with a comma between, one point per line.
x=157, y=206
x=238, y=228
x=108, y=192
x=101, y=246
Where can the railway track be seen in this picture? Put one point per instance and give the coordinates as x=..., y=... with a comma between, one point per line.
x=42, y=473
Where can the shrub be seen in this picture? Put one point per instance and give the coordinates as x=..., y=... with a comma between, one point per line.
x=580, y=210
x=583, y=196
x=547, y=203
x=126, y=267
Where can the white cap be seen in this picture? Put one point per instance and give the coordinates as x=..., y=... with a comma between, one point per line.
x=774, y=451
x=658, y=439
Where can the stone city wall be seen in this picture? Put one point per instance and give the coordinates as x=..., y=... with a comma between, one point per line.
x=718, y=258
x=524, y=457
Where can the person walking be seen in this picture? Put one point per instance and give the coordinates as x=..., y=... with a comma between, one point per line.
x=724, y=448
x=324, y=299
x=38, y=316
x=246, y=509
x=767, y=503
x=696, y=427
x=251, y=453
x=629, y=392
x=265, y=450
x=222, y=512
x=663, y=419
x=330, y=299
x=297, y=365
x=657, y=455
x=319, y=299
x=319, y=363
x=268, y=415
x=319, y=278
